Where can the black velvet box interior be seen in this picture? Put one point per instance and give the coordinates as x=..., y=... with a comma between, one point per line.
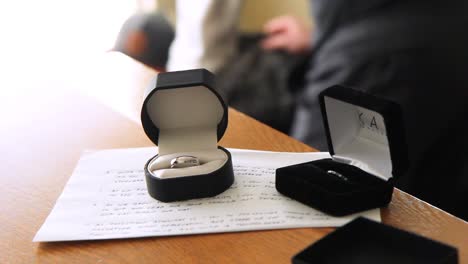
x=368, y=149
x=364, y=241
x=184, y=115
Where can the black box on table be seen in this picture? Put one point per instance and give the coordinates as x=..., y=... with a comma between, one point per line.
x=184, y=115
x=364, y=241
x=366, y=140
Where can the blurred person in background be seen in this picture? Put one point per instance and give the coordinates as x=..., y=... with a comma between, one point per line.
x=411, y=52
x=222, y=36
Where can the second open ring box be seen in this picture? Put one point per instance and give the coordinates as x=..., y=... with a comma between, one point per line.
x=366, y=140
x=185, y=117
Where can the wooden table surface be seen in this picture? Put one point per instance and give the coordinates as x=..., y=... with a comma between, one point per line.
x=44, y=130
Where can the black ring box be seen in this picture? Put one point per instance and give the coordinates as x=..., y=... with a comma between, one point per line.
x=364, y=241
x=366, y=140
x=184, y=115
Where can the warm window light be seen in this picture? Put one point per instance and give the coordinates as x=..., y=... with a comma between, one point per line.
x=53, y=45
x=51, y=39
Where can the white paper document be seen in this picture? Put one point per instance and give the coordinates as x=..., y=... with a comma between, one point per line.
x=106, y=198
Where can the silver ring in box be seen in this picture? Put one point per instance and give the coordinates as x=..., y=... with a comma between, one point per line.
x=184, y=162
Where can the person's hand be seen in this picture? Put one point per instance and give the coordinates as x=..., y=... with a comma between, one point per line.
x=287, y=33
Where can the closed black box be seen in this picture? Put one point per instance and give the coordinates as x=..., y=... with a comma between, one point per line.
x=366, y=141
x=364, y=241
x=184, y=115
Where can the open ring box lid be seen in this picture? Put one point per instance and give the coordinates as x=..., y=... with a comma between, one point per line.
x=184, y=115
x=366, y=140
